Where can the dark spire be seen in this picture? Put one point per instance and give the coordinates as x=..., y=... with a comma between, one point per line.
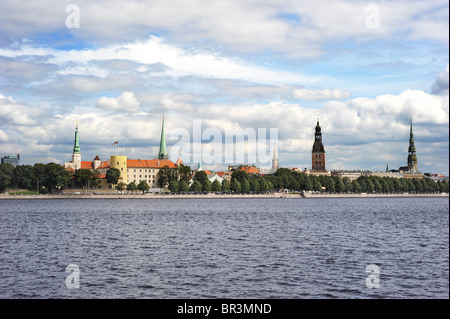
x=318, y=145
x=412, y=157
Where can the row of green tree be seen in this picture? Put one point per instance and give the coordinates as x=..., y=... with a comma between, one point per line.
x=48, y=177
x=288, y=179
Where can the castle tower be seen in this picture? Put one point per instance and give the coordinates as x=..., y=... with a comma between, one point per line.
x=412, y=157
x=120, y=162
x=76, y=155
x=162, y=154
x=275, y=163
x=318, y=151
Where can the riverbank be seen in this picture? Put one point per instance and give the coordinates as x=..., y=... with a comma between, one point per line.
x=230, y=196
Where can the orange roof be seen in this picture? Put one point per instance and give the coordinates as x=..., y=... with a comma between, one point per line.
x=87, y=164
x=220, y=174
x=101, y=176
x=250, y=170
x=104, y=164
x=208, y=173
x=139, y=163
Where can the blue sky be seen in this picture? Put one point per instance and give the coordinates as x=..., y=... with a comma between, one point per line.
x=231, y=64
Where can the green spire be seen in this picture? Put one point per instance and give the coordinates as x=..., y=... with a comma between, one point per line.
x=76, y=146
x=387, y=167
x=411, y=130
x=199, y=165
x=162, y=145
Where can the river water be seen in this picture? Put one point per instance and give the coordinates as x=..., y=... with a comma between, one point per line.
x=225, y=248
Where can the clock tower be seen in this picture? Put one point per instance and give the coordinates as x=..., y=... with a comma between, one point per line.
x=318, y=151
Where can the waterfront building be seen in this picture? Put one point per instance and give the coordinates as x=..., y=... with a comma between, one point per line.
x=350, y=174
x=131, y=170
x=14, y=160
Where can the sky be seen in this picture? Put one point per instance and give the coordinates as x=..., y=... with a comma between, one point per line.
x=114, y=68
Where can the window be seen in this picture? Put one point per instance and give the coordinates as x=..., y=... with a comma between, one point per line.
x=320, y=163
x=317, y=163
x=145, y=176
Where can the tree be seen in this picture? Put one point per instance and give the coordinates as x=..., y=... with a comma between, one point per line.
x=254, y=185
x=316, y=185
x=166, y=175
x=183, y=186
x=239, y=175
x=83, y=177
x=132, y=187
x=112, y=175
x=196, y=187
x=173, y=186
x=225, y=185
x=216, y=186
x=143, y=186
x=356, y=186
x=245, y=186
x=235, y=185
x=263, y=187
x=121, y=186
x=206, y=186
x=339, y=184
x=270, y=186
x=201, y=177
x=184, y=172
x=24, y=177
x=6, y=176
x=53, y=176
x=347, y=184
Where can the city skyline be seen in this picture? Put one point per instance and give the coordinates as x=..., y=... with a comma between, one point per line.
x=365, y=76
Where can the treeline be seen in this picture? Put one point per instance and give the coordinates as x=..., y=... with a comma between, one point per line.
x=46, y=178
x=287, y=179
x=39, y=177
x=49, y=177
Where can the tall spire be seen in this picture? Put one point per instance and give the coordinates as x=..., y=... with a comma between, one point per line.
x=162, y=145
x=275, y=163
x=412, y=157
x=76, y=144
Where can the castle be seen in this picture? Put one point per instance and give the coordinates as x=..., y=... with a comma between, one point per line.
x=132, y=170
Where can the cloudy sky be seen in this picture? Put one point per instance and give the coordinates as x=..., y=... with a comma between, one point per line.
x=117, y=66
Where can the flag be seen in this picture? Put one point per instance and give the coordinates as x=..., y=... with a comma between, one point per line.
x=115, y=143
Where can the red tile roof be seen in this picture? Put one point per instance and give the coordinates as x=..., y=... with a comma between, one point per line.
x=140, y=163
x=220, y=174
x=87, y=165
x=250, y=170
x=208, y=173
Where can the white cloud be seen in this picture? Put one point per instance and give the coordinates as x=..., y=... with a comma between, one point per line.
x=126, y=102
x=3, y=136
x=441, y=84
x=315, y=95
x=13, y=113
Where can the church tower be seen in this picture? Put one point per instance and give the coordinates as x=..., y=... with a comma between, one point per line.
x=162, y=154
x=275, y=163
x=412, y=157
x=318, y=151
x=76, y=156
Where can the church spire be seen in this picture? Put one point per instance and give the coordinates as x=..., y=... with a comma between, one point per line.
x=412, y=157
x=76, y=144
x=162, y=145
x=275, y=163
